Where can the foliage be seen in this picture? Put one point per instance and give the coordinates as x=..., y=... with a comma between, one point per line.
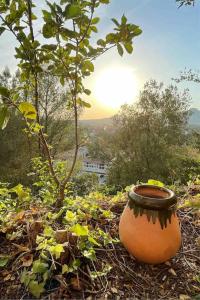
x=109, y=189
x=187, y=165
x=155, y=182
x=185, y=2
x=84, y=184
x=68, y=240
x=148, y=133
x=189, y=75
x=64, y=243
x=98, y=145
x=13, y=200
x=69, y=56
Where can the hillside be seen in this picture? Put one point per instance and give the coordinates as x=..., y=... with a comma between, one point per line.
x=194, y=120
x=195, y=117
x=97, y=122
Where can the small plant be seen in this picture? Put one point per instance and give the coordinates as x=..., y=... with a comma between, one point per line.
x=68, y=249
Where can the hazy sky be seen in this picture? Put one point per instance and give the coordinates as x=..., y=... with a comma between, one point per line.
x=170, y=42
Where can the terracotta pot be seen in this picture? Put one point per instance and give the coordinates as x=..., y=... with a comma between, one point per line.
x=149, y=227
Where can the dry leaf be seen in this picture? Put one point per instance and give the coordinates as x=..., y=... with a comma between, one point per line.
x=36, y=228
x=162, y=292
x=172, y=272
x=4, y=273
x=27, y=260
x=22, y=248
x=76, y=284
x=184, y=297
x=114, y=290
x=62, y=236
x=8, y=277
x=19, y=216
x=198, y=241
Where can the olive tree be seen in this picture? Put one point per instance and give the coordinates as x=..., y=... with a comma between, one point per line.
x=149, y=135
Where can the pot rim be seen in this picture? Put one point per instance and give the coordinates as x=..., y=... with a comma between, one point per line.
x=151, y=202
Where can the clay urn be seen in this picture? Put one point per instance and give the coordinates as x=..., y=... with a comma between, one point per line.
x=149, y=227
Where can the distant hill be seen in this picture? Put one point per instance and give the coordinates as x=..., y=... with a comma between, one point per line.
x=97, y=122
x=194, y=120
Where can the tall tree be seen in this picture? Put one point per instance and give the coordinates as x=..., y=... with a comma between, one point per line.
x=148, y=133
x=70, y=25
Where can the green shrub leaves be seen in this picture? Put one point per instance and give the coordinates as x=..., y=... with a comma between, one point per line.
x=4, y=116
x=28, y=110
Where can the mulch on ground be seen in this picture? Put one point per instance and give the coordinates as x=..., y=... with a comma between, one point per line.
x=178, y=278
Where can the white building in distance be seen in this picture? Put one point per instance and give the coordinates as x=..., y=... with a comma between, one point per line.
x=93, y=166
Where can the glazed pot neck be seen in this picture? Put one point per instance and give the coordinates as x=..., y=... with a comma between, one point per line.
x=152, y=197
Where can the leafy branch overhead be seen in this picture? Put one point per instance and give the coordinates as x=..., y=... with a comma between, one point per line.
x=185, y=2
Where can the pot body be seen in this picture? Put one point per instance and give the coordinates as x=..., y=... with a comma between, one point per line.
x=146, y=240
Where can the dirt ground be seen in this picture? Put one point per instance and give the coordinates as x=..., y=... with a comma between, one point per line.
x=178, y=278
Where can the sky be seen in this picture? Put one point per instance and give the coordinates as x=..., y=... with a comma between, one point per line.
x=170, y=42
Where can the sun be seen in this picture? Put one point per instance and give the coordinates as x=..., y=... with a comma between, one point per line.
x=116, y=86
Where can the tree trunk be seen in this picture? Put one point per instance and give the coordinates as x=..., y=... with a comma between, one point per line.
x=61, y=196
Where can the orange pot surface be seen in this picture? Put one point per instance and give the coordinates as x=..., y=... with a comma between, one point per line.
x=146, y=241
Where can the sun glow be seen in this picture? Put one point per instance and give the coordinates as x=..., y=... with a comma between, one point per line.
x=116, y=86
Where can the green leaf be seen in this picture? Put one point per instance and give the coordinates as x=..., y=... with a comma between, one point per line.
x=67, y=33
x=87, y=92
x=116, y=22
x=65, y=269
x=49, y=47
x=80, y=230
x=28, y=110
x=137, y=31
x=48, y=30
x=95, y=20
x=33, y=17
x=93, y=241
x=62, y=80
x=93, y=28
x=2, y=29
x=46, y=15
x=128, y=47
x=111, y=38
x=4, y=92
x=72, y=11
x=48, y=231
x=4, y=117
x=35, y=288
x=120, y=49
x=104, y=272
x=39, y=267
x=155, y=182
x=4, y=260
x=25, y=277
x=20, y=191
x=57, y=250
x=101, y=42
x=90, y=253
x=88, y=65
x=123, y=20
x=36, y=44
x=83, y=103
x=70, y=216
x=104, y=1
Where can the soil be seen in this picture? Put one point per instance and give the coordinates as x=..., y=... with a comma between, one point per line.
x=178, y=278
